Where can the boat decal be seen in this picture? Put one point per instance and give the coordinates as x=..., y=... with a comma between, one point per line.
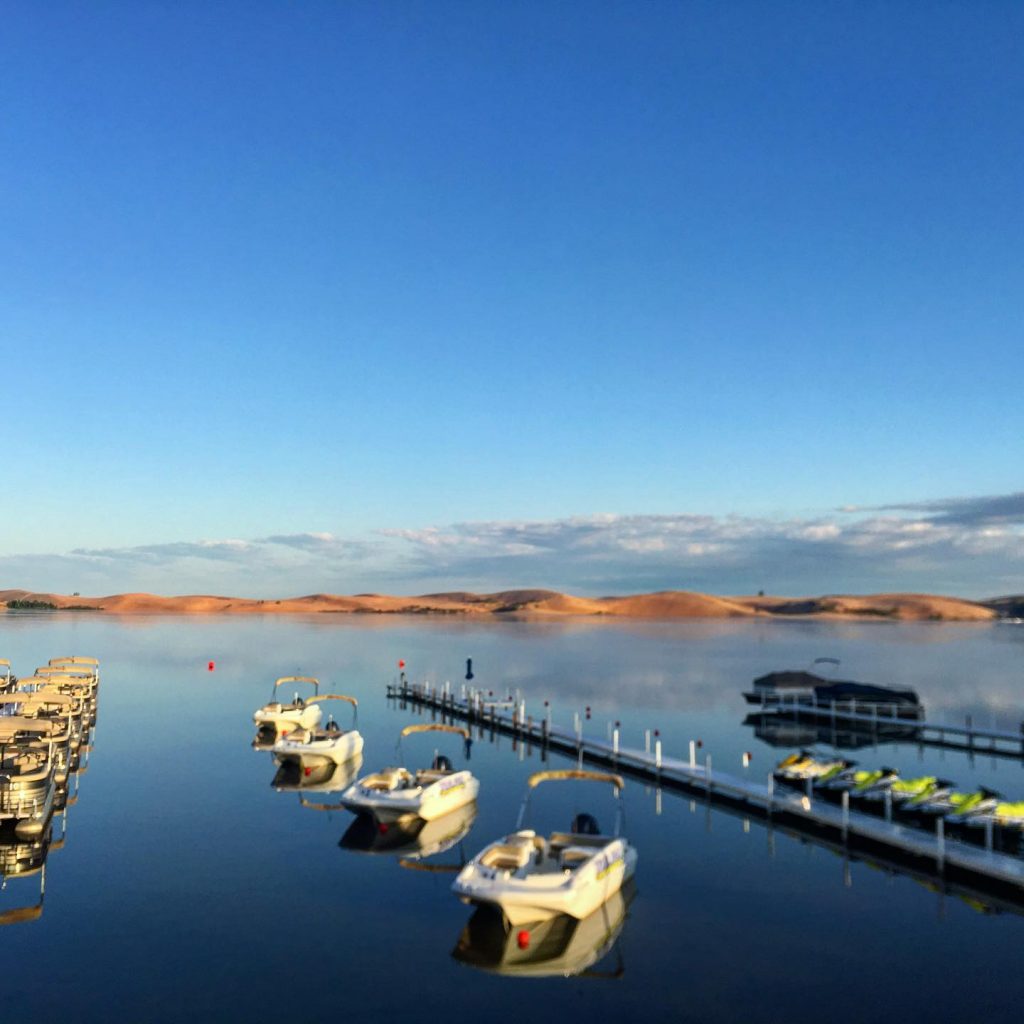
x=452, y=787
x=618, y=862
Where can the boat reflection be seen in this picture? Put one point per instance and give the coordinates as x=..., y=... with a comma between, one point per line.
x=25, y=858
x=560, y=946
x=45, y=735
x=411, y=840
x=323, y=777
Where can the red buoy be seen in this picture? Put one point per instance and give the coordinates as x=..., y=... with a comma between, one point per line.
x=523, y=939
x=210, y=666
x=401, y=663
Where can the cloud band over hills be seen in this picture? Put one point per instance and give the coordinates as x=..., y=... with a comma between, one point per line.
x=969, y=546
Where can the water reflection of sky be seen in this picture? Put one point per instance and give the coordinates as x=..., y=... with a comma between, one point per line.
x=188, y=887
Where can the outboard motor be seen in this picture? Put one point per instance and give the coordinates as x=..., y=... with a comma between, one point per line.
x=585, y=825
x=441, y=764
x=332, y=725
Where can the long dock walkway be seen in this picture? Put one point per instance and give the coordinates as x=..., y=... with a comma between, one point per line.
x=982, y=867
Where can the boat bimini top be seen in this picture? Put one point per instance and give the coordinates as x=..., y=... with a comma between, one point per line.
x=569, y=774
x=72, y=672
x=395, y=793
x=78, y=664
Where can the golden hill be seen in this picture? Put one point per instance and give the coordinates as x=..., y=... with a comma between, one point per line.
x=671, y=604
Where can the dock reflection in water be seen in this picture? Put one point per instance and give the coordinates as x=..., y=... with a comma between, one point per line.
x=562, y=946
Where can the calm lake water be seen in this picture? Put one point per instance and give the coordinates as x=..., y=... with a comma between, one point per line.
x=189, y=888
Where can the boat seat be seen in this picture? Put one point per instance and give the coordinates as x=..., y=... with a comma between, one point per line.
x=390, y=778
x=560, y=840
x=508, y=856
x=573, y=856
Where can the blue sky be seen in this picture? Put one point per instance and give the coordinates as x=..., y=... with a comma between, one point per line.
x=418, y=276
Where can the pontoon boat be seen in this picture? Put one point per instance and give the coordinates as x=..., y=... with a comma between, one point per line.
x=27, y=766
x=796, y=688
x=530, y=878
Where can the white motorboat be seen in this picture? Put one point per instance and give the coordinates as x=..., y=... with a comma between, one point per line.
x=397, y=794
x=310, y=748
x=530, y=878
x=7, y=680
x=277, y=718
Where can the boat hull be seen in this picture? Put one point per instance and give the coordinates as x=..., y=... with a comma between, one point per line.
x=319, y=752
x=427, y=803
x=539, y=897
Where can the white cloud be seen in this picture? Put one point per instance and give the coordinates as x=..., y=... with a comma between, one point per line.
x=973, y=547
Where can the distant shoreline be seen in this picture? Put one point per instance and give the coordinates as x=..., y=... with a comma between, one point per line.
x=672, y=604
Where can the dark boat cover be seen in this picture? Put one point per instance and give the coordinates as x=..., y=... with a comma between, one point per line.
x=826, y=691
x=865, y=692
x=789, y=680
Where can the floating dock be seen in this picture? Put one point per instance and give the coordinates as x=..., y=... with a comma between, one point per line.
x=980, y=868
